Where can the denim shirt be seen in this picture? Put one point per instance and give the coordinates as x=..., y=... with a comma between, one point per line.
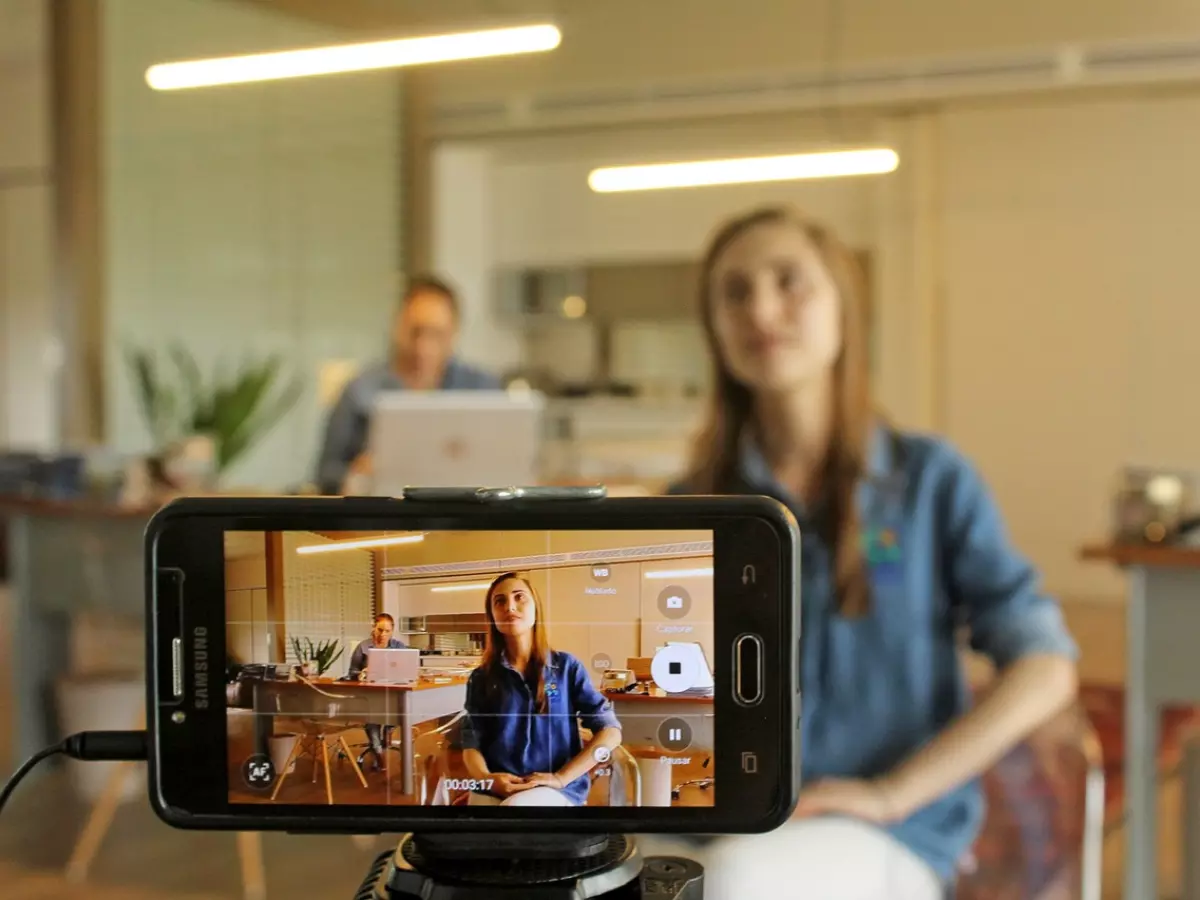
x=874, y=689
x=514, y=738
x=348, y=424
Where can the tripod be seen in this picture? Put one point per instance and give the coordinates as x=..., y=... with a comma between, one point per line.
x=529, y=867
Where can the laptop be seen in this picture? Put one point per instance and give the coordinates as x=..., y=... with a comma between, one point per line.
x=388, y=666
x=454, y=439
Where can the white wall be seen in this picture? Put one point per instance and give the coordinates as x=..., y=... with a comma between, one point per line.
x=28, y=369
x=464, y=251
x=245, y=219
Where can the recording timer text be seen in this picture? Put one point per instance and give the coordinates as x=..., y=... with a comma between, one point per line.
x=469, y=784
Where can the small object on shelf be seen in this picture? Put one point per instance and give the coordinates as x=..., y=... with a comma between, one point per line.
x=1150, y=504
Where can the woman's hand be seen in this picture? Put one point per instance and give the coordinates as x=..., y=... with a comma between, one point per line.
x=857, y=798
x=505, y=784
x=545, y=779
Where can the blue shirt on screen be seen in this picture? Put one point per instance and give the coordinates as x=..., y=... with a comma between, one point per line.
x=515, y=739
x=875, y=689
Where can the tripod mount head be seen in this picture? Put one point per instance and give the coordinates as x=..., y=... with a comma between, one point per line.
x=531, y=867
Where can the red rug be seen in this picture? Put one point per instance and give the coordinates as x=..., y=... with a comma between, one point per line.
x=1106, y=709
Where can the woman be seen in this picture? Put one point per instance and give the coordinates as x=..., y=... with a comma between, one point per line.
x=524, y=706
x=901, y=545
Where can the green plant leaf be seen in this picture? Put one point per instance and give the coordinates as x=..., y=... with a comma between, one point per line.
x=268, y=413
x=155, y=397
x=193, y=383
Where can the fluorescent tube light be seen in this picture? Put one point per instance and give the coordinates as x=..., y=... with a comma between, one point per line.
x=836, y=164
x=174, y=76
x=361, y=544
x=474, y=586
x=680, y=573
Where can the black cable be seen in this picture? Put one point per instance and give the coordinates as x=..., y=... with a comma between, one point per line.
x=89, y=746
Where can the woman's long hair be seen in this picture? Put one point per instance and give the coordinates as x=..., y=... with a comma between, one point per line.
x=493, y=651
x=731, y=411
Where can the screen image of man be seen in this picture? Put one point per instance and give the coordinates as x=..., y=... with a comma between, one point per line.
x=381, y=638
x=424, y=334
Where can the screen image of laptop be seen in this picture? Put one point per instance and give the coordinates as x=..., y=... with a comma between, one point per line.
x=389, y=666
x=454, y=439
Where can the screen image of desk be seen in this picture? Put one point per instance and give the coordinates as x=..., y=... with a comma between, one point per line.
x=304, y=727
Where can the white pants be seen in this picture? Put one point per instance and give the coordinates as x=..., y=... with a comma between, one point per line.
x=812, y=859
x=538, y=796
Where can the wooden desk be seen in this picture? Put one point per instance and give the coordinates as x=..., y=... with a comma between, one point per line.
x=381, y=704
x=641, y=714
x=1162, y=633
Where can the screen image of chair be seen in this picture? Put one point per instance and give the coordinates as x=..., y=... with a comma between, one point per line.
x=321, y=719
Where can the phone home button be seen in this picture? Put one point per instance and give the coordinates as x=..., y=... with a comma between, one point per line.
x=747, y=670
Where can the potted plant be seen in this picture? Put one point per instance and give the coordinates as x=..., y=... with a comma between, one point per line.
x=227, y=414
x=315, y=659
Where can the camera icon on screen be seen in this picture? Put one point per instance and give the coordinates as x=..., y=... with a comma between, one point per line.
x=674, y=602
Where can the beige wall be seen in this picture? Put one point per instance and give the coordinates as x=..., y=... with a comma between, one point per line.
x=28, y=368
x=247, y=630
x=1070, y=316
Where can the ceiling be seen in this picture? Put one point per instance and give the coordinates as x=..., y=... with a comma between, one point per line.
x=376, y=17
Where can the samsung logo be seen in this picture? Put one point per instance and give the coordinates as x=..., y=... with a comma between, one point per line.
x=200, y=667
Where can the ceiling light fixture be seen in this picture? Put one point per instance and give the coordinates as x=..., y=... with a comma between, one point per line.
x=474, y=586
x=702, y=173
x=361, y=544
x=174, y=76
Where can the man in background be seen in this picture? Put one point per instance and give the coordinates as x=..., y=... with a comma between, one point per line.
x=424, y=334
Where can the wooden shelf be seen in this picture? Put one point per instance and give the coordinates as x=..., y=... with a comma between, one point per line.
x=1150, y=555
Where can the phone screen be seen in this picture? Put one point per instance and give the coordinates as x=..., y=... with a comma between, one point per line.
x=569, y=668
x=628, y=663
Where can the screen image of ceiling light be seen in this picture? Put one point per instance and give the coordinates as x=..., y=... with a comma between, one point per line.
x=360, y=544
x=703, y=173
x=415, y=51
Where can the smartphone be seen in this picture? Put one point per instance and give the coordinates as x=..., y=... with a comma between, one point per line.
x=447, y=662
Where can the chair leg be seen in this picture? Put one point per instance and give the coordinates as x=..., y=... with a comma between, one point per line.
x=288, y=765
x=357, y=771
x=97, y=824
x=328, y=780
x=254, y=875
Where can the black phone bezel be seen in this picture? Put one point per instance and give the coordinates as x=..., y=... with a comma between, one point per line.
x=188, y=773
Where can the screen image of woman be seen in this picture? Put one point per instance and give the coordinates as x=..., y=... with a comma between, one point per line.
x=525, y=705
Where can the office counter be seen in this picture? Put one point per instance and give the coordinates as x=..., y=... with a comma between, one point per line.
x=64, y=559
x=642, y=717
x=1163, y=668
